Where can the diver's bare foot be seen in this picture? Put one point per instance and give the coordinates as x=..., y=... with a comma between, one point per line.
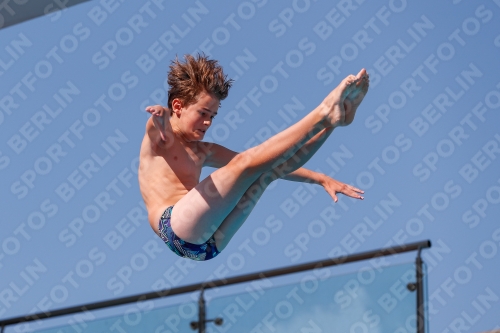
x=355, y=96
x=333, y=104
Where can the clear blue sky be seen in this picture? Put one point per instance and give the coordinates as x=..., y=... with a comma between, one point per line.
x=425, y=145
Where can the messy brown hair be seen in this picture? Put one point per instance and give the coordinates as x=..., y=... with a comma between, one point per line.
x=188, y=79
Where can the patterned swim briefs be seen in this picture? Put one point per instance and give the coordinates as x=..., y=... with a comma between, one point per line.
x=198, y=252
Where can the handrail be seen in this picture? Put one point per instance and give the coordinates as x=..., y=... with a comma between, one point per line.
x=221, y=282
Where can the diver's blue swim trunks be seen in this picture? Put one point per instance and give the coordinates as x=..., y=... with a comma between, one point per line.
x=198, y=252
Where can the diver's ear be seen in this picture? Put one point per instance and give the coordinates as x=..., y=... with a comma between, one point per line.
x=177, y=106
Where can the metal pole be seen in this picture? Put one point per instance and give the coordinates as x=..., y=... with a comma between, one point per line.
x=201, y=313
x=420, y=293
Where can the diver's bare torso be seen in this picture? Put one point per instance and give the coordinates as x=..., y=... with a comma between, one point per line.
x=168, y=171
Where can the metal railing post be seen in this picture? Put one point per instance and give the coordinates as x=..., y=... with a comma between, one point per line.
x=420, y=293
x=202, y=317
x=201, y=324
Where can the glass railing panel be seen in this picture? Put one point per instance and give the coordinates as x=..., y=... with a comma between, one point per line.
x=369, y=300
x=137, y=318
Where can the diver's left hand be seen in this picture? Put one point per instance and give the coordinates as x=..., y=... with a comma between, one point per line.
x=332, y=187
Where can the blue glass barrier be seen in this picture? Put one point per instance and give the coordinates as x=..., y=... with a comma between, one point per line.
x=139, y=317
x=368, y=300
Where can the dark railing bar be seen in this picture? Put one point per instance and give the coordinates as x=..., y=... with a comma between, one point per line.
x=420, y=293
x=221, y=282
